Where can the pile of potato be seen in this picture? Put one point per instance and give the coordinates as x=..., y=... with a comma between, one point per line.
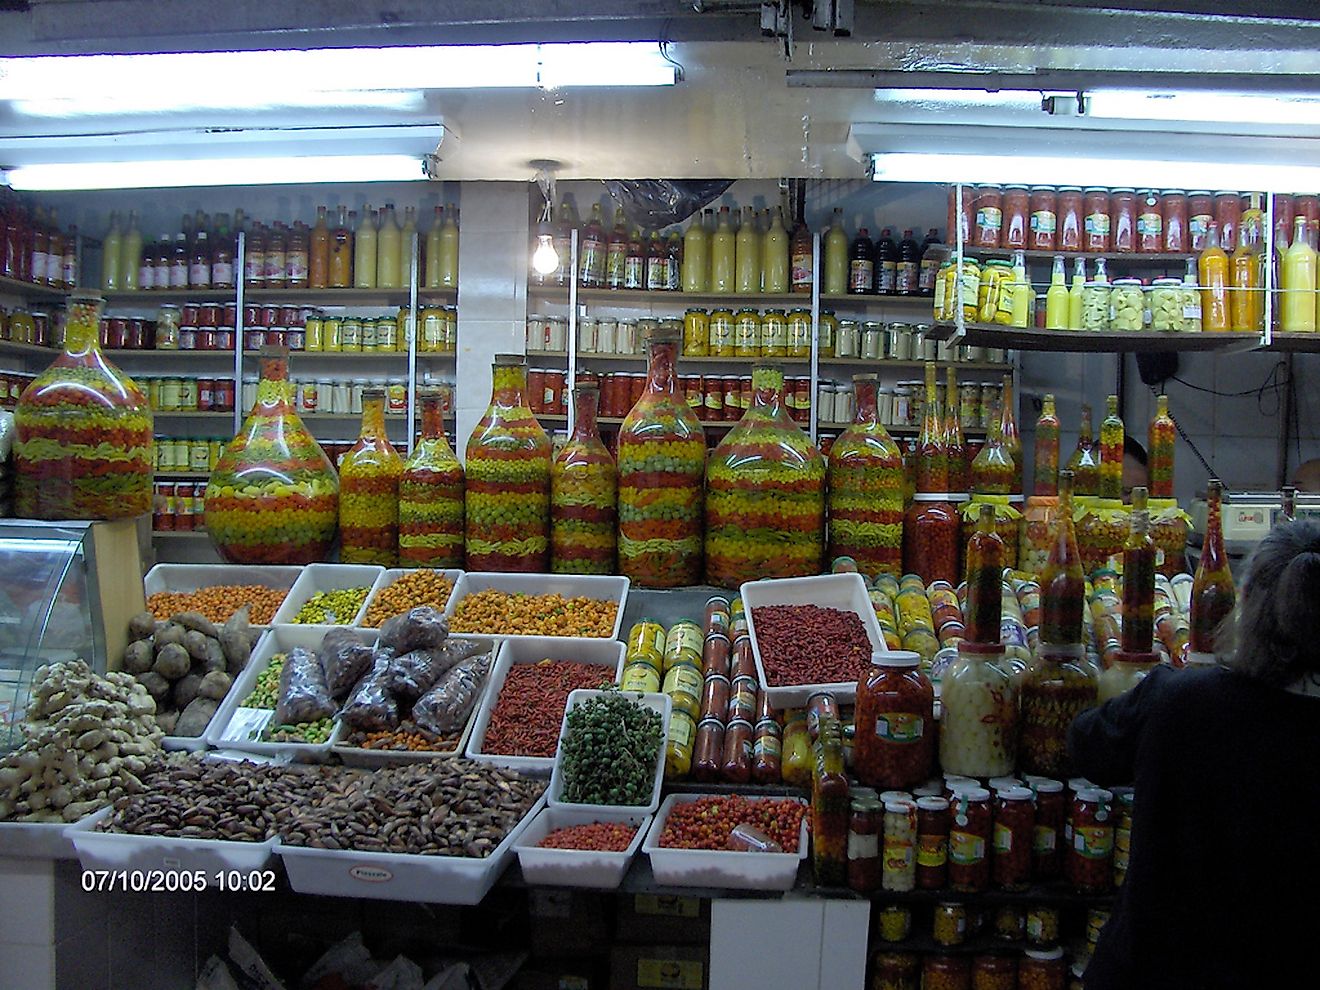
x=187, y=664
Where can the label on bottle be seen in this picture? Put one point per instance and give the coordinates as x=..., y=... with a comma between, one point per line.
x=1097, y=223
x=1150, y=224
x=295, y=267
x=1044, y=221
x=591, y=263
x=907, y=276
x=669, y=974
x=900, y=727
x=930, y=270
x=1003, y=838
x=274, y=267
x=222, y=274
x=1044, y=839
x=69, y=270
x=39, y=264
x=254, y=267
x=634, y=272
x=966, y=849
x=990, y=218
x=932, y=850
x=147, y=277
x=657, y=273
x=861, y=274
x=179, y=275
x=802, y=270
x=616, y=263
x=886, y=277
x=863, y=846
x=199, y=275
x=54, y=273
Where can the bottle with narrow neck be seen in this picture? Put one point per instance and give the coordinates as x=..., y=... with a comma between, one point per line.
x=406, y=238
x=1045, y=470
x=774, y=256
x=37, y=258
x=369, y=491
x=1139, y=579
x=723, y=271
x=295, y=266
x=836, y=257
x=364, y=250
x=1062, y=583
x=1160, y=441
x=956, y=449
x=634, y=270
x=1213, y=592
x=1246, y=300
x=1083, y=464
x=388, y=239
x=801, y=273
x=1008, y=433
x=69, y=265
x=431, y=495
x=993, y=469
x=886, y=264
x=1023, y=295
x=909, y=262
x=1112, y=433
x=747, y=255
x=318, y=258
x=1212, y=272
x=449, y=249
x=130, y=253
x=861, y=264
x=985, y=579
x=1287, y=503
x=1056, y=298
x=591, y=251
x=616, y=253
x=696, y=256
x=933, y=455
x=277, y=250
x=1075, y=294
x=1298, y=283
x=111, y=258
x=563, y=241
x=1101, y=272
x=583, y=484
x=341, y=252
x=432, y=277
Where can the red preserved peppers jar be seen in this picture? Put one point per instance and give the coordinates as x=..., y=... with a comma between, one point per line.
x=1015, y=822
x=894, y=745
x=1096, y=228
x=1173, y=207
x=1200, y=215
x=1051, y=815
x=1071, y=207
x=931, y=538
x=989, y=216
x=960, y=216
x=969, y=840
x=1228, y=214
x=1044, y=219
x=1042, y=969
x=946, y=973
x=1123, y=220
x=1150, y=222
x=994, y=973
x=1088, y=862
x=1017, y=216
x=932, y=842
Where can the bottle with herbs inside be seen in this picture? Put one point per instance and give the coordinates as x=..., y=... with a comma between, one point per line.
x=1062, y=584
x=955, y=448
x=1045, y=472
x=1213, y=593
x=1084, y=462
x=894, y=746
x=985, y=582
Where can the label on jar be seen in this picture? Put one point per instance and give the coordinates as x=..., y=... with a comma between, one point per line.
x=199, y=275
x=634, y=272
x=966, y=849
x=930, y=269
x=899, y=856
x=1003, y=838
x=863, y=846
x=1097, y=223
x=861, y=274
x=907, y=276
x=932, y=850
x=1045, y=839
x=681, y=729
x=970, y=283
x=1199, y=225
x=1093, y=841
x=1044, y=222
x=990, y=218
x=222, y=274
x=900, y=727
x=670, y=974
x=1150, y=224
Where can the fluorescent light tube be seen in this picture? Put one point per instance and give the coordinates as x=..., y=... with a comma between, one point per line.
x=1207, y=107
x=216, y=172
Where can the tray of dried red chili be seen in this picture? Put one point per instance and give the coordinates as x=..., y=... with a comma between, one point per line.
x=689, y=841
x=518, y=723
x=571, y=848
x=811, y=634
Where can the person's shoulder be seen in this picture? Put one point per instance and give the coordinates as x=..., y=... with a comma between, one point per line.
x=1165, y=685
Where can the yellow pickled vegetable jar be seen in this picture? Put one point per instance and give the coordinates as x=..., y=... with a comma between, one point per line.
x=1164, y=300
x=369, y=491
x=1126, y=305
x=431, y=496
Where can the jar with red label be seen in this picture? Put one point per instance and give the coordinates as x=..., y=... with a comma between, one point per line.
x=1123, y=220
x=960, y=215
x=1017, y=216
x=1173, y=209
x=190, y=313
x=987, y=204
x=536, y=391
x=994, y=973
x=946, y=973
x=931, y=542
x=1071, y=210
x=1150, y=222
x=1228, y=214
x=183, y=507
x=1200, y=215
x=1014, y=833
x=1043, y=234
x=970, y=827
x=932, y=842
x=225, y=394
x=1088, y=861
x=1051, y=816
x=1042, y=969
x=162, y=506
x=1096, y=236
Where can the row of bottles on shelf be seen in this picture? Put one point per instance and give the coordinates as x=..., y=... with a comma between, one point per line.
x=369, y=251
x=33, y=247
x=880, y=267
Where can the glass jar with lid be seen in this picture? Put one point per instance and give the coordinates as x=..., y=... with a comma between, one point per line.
x=828, y=334
x=848, y=340
x=946, y=973
x=1123, y=220
x=896, y=708
x=1150, y=222
x=1096, y=237
x=696, y=333
x=747, y=340
x=1057, y=687
x=1017, y=216
x=167, y=328
x=873, y=340
x=1042, y=969
x=1095, y=306
x=1071, y=210
x=931, y=544
x=1173, y=208
x=987, y=206
x=774, y=334
x=1200, y=215
x=979, y=694
x=969, y=288
x=1164, y=301
x=721, y=333
x=1126, y=305
x=993, y=276
x=1043, y=235
x=1102, y=530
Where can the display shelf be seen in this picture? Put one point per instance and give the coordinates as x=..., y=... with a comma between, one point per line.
x=1297, y=343
x=898, y=430
x=1128, y=258
x=190, y=414
x=31, y=290
x=180, y=534
x=344, y=355
x=150, y=297
x=540, y=355
x=119, y=353
x=908, y=305
x=1104, y=342
x=348, y=297
x=638, y=297
x=15, y=347
x=881, y=363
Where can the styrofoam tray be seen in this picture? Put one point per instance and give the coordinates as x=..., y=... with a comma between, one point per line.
x=222, y=734
x=721, y=868
x=845, y=592
x=656, y=702
x=199, y=744
x=121, y=851
x=400, y=877
x=394, y=573
x=190, y=577
x=357, y=756
x=576, y=867
x=598, y=586
x=328, y=577
x=36, y=840
x=529, y=650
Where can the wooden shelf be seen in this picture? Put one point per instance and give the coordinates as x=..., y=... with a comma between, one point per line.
x=1296, y=343
x=907, y=305
x=180, y=534
x=1111, y=342
x=638, y=297
x=119, y=353
x=30, y=290
x=151, y=297
x=15, y=347
x=289, y=297
x=1131, y=260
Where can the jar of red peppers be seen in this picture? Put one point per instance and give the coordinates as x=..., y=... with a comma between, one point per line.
x=931, y=541
x=1044, y=219
x=1057, y=687
x=946, y=973
x=987, y=205
x=1047, y=847
x=932, y=842
x=1123, y=220
x=895, y=971
x=1088, y=861
x=1071, y=209
x=1200, y=215
x=1017, y=217
x=1173, y=209
x=1042, y=969
x=1096, y=237
x=994, y=973
x=1014, y=832
x=1150, y=222
x=894, y=745
x=971, y=823
x=864, y=846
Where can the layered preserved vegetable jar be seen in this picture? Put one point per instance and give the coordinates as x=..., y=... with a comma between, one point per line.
x=1084, y=463
x=993, y=469
x=1062, y=581
x=894, y=745
x=932, y=539
x=1101, y=528
x=978, y=733
x=1057, y=687
x=83, y=432
x=431, y=496
x=661, y=470
x=865, y=476
x=765, y=494
x=1034, y=548
x=369, y=478
x=1213, y=592
x=1161, y=440
x=1169, y=526
x=1045, y=470
x=273, y=497
x=1008, y=433
x=583, y=483
x=933, y=459
x=1112, y=433
x=507, y=525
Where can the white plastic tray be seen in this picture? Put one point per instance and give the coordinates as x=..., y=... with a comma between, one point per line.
x=394, y=573
x=576, y=867
x=198, y=744
x=358, y=756
x=36, y=840
x=721, y=868
x=656, y=702
x=328, y=577
x=598, y=586
x=121, y=851
x=529, y=650
x=281, y=639
x=400, y=877
x=845, y=592
x=190, y=577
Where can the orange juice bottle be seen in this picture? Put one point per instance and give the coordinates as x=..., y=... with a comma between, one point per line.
x=1246, y=306
x=1212, y=272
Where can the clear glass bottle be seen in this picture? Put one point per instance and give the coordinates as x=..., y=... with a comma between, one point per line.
x=1062, y=583
x=662, y=465
x=985, y=579
x=507, y=522
x=933, y=459
x=1045, y=472
x=583, y=489
x=865, y=488
x=431, y=495
x=765, y=494
x=994, y=469
x=1008, y=433
x=369, y=491
x=1161, y=441
x=273, y=497
x=1112, y=433
x=1139, y=579
x=83, y=432
x=1213, y=592
x=364, y=250
x=1084, y=462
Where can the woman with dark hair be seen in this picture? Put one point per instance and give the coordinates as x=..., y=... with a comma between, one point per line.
x=1223, y=872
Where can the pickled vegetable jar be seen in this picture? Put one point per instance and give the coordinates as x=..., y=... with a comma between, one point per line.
x=765, y=494
x=932, y=539
x=865, y=476
x=369, y=491
x=1095, y=306
x=1062, y=580
x=1112, y=438
x=993, y=469
x=1126, y=305
x=583, y=482
x=1165, y=302
x=894, y=747
x=508, y=479
x=1169, y=526
x=1034, y=546
x=431, y=496
x=1008, y=522
x=83, y=432
x=1045, y=470
x=978, y=731
x=1057, y=687
x=1102, y=528
x=273, y=497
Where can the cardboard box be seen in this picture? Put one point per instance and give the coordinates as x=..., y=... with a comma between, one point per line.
x=569, y=975
x=662, y=919
x=568, y=923
x=659, y=967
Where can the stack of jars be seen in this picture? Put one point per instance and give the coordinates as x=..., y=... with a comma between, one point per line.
x=178, y=506
x=747, y=333
x=547, y=333
x=547, y=391
x=182, y=455
x=137, y=334
x=12, y=384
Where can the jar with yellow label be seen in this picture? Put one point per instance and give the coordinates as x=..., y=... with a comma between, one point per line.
x=368, y=336
x=350, y=335
x=332, y=334
x=152, y=385
x=774, y=334
x=678, y=748
x=387, y=333
x=828, y=332
x=188, y=394
x=747, y=333
x=448, y=330
x=799, y=333
x=721, y=333
x=969, y=287
x=404, y=328
x=696, y=333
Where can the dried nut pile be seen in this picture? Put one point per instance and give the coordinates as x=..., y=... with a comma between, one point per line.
x=408, y=737
x=501, y=613
x=88, y=741
x=221, y=601
x=424, y=587
x=332, y=608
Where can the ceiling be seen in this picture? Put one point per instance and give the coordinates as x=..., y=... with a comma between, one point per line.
x=748, y=105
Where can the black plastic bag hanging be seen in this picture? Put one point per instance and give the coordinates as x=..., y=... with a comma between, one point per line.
x=656, y=203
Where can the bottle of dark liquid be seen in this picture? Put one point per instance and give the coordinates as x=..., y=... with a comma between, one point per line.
x=69, y=263
x=179, y=263
x=254, y=258
x=222, y=255
x=277, y=251
x=147, y=266
x=886, y=267
x=906, y=280
x=163, y=260
x=199, y=262
x=861, y=264
x=296, y=260
x=930, y=264
x=55, y=254
x=657, y=264
x=1213, y=591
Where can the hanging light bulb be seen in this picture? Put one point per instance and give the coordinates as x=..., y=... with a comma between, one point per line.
x=545, y=259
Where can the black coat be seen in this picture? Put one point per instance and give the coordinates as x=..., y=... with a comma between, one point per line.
x=1223, y=885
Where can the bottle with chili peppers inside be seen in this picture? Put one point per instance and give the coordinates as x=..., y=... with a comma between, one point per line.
x=1084, y=462
x=1014, y=830
x=830, y=805
x=1008, y=433
x=1161, y=439
x=1139, y=579
x=864, y=846
x=931, y=537
x=993, y=469
x=865, y=489
x=1045, y=472
x=969, y=840
x=1062, y=583
x=894, y=745
x=1213, y=593
x=1111, y=451
x=933, y=460
x=1088, y=862
x=985, y=584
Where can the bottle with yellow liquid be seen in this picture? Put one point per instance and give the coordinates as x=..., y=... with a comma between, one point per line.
x=1056, y=297
x=387, y=249
x=1212, y=273
x=836, y=257
x=1245, y=299
x=406, y=238
x=364, y=250
x=1023, y=294
x=696, y=257
x=1298, y=283
x=111, y=256
x=449, y=249
x=747, y=255
x=432, y=280
x=1075, y=295
x=774, y=256
x=722, y=269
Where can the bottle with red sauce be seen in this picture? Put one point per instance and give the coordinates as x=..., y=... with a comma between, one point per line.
x=1123, y=220
x=1173, y=209
x=1071, y=210
x=894, y=745
x=1096, y=227
x=960, y=215
x=1150, y=222
x=1213, y=592
x=1014, y=831
x=1088, y=861
x=1008, y=433
x=1043, y=235
x=989, y=216
x=1016, y=216
x=1200, y=215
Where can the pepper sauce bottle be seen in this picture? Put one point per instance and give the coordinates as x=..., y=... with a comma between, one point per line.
x=933, y=461
x=955, y=449
x=1062, y=584
x=1213, y=593
x=1008, y=434
x=1083, y=464
x=1045, y=472
x=985, y=581
x=1139, y=580
x=1160, y=440
x=1111, y=451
